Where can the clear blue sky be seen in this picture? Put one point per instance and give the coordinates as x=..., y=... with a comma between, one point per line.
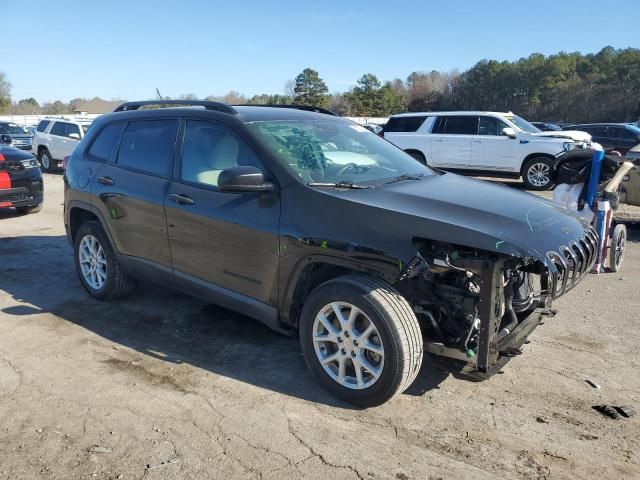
x=125, y=49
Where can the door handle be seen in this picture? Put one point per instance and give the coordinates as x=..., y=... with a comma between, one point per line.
x=477, y=141
x=181, y=199
x=439, y=139
x=106, y=180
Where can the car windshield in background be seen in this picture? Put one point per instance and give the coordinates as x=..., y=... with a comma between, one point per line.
x=11, y=129
x=522, y=124
x=330, y=151
x=634, y=129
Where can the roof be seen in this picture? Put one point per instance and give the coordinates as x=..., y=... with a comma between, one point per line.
x=98, y=105
x=601, y=124
x=462, y=112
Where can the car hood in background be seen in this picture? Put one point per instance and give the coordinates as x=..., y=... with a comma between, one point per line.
x=568, y=134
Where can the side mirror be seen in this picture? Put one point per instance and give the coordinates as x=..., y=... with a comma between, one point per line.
x=243, y=179
x=509, y=132
x=5, y=139
x=74, y=136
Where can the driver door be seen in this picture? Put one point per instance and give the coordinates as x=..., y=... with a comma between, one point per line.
x=226, y=239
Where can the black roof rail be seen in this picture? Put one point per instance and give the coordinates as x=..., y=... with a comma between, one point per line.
x=307, y=108
x=218, y=106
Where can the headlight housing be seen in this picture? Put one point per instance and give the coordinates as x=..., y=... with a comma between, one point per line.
x=29, y=163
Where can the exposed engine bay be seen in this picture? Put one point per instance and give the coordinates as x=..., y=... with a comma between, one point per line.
x=470, y=301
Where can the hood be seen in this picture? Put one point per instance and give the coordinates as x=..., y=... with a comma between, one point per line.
x=473, y=213
x=575, y=135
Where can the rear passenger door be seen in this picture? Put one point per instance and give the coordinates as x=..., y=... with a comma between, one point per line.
x=129, y=189
x=451, y=142
x=491, y=149
x=57, y=140
x=225, y=239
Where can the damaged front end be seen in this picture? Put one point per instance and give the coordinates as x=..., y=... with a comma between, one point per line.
x=479, y=306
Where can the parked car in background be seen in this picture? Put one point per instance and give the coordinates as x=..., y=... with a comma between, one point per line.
x=546, y=127
x=320, y=229
x=13, y=134
x=56, y=138
x=20, y=180
x=612, y=136
x=483, y=143
x=630, y=191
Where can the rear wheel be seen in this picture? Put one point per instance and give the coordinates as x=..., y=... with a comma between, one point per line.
x=361, y=339
x=537, y=173
x=46, y=161
x=616, y=249
x=97, y=265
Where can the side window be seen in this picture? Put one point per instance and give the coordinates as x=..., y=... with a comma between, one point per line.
x=59, y=129
x=105, y=141
x=209, y=148
x=148, y=145
x=72, y=128
x=42, y=126
x=404, y=124
x=488, y=126
x=462, y=125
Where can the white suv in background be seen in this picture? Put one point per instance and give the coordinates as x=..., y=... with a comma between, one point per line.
x=483, y=143
x=56, y=138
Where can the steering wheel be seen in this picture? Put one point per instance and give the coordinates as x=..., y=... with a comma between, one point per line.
x=348, y=167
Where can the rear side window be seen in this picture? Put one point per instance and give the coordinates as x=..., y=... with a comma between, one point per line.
x=148, y=145
x=59, y=129
x=72, y=128
x=453, y=125
x=404, y=124
x=42, y=126
x=103, y=145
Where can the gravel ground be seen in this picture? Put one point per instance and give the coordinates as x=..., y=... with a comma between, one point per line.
x=162, y=386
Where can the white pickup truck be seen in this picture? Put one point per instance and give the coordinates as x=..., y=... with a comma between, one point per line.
x=483, y=143
x=56, y=138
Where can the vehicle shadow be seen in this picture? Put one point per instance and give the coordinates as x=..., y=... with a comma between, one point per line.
x=164, y=324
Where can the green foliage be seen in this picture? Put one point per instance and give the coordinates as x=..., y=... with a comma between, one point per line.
x=310, y=89
x=5, y=92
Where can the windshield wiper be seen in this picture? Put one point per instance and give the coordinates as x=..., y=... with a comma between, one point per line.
x=406, y=176
x=341, y=184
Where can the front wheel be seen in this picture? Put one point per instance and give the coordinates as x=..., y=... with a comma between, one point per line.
x=97, y=265
x=360, y=339
x=537, y=173
x=46, y=160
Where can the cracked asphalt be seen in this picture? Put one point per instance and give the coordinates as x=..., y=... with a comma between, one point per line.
x=162, y=386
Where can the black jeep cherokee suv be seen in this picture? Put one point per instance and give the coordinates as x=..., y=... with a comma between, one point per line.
x=314, y=225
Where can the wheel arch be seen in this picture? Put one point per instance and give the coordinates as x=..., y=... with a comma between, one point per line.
x=81, y=212
x=532, y=156
x=312, y=271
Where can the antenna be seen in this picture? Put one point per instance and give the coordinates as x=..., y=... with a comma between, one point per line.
x=160, y=97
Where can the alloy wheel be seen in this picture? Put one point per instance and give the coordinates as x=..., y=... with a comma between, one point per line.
x=348, y=345
x=539, y=174
x=93, y=262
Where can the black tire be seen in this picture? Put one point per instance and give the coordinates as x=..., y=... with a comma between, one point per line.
x=29, y=209
x=616, y=248
x=395, y=321
x=418, y=156
x=538, y=164
x=47, y=163
x=118, y=283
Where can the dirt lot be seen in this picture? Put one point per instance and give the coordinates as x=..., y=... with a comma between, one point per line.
x=162, y=386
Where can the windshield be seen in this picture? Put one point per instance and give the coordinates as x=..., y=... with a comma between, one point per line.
x=522, y=124
x=11, y=129
x=634, y=129
x=334, y=151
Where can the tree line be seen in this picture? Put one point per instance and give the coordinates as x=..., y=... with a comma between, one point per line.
x=565, y=87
